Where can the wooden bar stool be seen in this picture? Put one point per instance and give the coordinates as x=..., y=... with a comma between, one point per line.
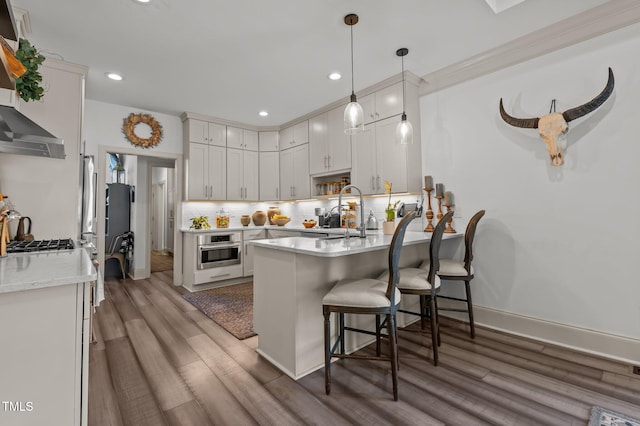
x=366, y=296
x=426, y=285
x=462, y=270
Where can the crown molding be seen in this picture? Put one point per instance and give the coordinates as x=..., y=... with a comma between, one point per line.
x=610, y=16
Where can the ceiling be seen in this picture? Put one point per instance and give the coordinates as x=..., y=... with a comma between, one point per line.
x=231, y=59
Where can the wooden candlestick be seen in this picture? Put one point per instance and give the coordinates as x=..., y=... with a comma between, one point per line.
x=429, y=212
x=448, y=229
x=439, y=215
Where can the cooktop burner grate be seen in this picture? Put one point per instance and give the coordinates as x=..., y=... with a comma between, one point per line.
x=39, y=245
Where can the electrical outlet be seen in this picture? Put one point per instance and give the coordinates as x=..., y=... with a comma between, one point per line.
x=636, y=369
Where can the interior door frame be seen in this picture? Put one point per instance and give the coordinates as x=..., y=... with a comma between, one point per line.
x=103, y=151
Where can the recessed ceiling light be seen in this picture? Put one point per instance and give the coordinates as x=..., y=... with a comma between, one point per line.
x=142, y=1
x=114, y=76
x=334, y=76
x=263, y=113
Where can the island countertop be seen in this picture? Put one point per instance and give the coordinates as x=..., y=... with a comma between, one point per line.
x=334, y=247
x=28, y=271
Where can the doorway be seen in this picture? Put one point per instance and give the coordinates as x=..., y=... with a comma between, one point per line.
x=141, y=208
x=161, y=219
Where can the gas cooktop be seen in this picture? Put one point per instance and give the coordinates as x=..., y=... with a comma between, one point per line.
x=39, y=245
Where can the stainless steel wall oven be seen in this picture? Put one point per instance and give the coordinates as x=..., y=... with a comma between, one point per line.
x=219, y=249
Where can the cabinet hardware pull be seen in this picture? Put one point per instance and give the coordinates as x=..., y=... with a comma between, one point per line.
x=378, y=183
x=329, y=162
x=277, y=195
x=373, y=183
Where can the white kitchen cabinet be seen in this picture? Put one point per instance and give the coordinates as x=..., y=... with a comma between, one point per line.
x=377, y=157
x=204, y=132
x=268, y=141
x=44, y=356
x=242, y=174
x=294, y=173
x=329, y=147
x=206, y=172
x=250, y=139
x=248, y=248
x=382, y=104
x=235, y=138
x=295, y=135
x=242, y=138
x=269, y=176
x=318, y=144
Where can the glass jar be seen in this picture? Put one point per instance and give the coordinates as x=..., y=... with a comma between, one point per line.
x=222, y=218
x=320, y=189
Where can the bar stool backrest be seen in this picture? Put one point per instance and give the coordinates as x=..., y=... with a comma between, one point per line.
x=469, y=235
x=434, y=247
x=394, y=256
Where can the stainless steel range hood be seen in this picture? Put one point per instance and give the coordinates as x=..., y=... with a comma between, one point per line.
x=20, y=135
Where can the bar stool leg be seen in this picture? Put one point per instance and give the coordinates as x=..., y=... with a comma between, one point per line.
x=327, y=352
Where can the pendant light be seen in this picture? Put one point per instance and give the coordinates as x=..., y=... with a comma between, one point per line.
x=404, y=130
x=353, y=114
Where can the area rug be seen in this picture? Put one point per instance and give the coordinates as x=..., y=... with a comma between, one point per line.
x=230, y=307
x=603, y=417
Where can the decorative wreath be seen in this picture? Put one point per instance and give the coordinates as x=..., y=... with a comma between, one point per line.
x=128, y=128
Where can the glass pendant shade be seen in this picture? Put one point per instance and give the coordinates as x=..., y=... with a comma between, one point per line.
x=404, y=131
x=353, y=118
x=353, y=114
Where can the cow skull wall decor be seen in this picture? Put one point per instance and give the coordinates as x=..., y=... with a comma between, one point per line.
x=555, y=124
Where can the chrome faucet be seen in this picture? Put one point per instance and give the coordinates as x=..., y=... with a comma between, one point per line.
x=362, y=227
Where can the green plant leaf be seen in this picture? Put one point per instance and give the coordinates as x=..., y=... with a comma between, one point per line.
x=28, y=85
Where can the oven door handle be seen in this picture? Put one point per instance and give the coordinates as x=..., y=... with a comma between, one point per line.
x=219, y=246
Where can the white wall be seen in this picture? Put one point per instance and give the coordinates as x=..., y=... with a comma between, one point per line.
x=103, y=128
x=556, y=244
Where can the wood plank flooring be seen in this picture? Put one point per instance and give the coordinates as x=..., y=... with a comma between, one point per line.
x=160, y=361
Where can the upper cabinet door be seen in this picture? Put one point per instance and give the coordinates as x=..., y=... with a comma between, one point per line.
x=235, y=174
x=392, y=157
x=389, y=101
x=198, y=131
x=286, y=138
x=301, y=133
x=217, y=172
x=251, y=177
x=364, y=168
x=269, y=176
x=368, y=104
x=250, y=140
x=339, y=144
x=235, y=137
x=217, y=134
x=198, y=172
x=268, y=141
x=318, y=144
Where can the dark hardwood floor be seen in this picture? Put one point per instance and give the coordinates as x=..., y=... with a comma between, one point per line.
x=160, y=361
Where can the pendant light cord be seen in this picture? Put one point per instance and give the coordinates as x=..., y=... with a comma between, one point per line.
x=404, y=96
x=352, y=91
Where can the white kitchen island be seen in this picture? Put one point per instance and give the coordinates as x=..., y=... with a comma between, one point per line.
x=292, y=275
x=44, y=337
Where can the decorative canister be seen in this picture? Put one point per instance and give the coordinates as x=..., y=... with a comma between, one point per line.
x=245, y=220
x=272, y=212
x=259, y=218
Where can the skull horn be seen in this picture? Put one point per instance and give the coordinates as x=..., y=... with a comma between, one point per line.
x=527, y=123
x=577, y=112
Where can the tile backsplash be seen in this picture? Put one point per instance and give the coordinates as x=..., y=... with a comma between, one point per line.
x=298, y=211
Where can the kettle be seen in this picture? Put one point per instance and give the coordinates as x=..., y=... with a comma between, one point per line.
x=20, y=235
x=372, y=222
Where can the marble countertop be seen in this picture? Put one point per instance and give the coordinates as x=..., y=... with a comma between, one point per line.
x=28, y=271
x=375, y=240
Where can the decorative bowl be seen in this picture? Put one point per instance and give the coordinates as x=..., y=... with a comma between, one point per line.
x=309, y=224
x=282, y=221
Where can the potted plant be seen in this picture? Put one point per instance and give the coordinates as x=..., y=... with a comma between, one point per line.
x=28, y=85
x=389, y=225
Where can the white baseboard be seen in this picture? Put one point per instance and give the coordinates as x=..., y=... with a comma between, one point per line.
x=139, y=274
x=610, y=346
